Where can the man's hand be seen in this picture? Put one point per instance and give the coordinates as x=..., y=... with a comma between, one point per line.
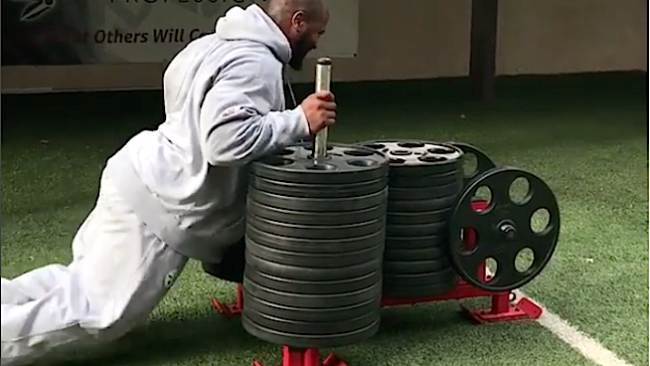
x=320, y=110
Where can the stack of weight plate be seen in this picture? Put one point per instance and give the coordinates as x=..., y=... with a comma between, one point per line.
x=314, y=246
x=425, y=180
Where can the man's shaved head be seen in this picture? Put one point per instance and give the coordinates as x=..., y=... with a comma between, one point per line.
x=303, y=22
x=284, y=9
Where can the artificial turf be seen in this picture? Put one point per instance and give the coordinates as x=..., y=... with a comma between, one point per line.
x=585, y=135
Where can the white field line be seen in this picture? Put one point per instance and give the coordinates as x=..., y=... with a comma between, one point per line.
x=585, y=345
x=590, y=348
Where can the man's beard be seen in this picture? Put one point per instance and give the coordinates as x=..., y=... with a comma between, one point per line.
x=298, y=54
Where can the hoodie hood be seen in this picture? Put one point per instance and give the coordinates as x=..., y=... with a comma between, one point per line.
x=253, y=24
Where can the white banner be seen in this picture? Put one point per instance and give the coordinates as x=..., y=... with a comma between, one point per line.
x=136, y=31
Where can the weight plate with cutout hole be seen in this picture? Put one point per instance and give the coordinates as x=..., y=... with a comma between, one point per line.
x=312, y=301
x=311, y=274
x=483, y=162
x=435, y=204
x=319, y=204
x=310, y=314
x=314, y=246
x=421, y=242
x=412, y=218
x=343, y=164
x=306, y=341
x=417, y=230
x=270, y=213
x=415, y=266
x=429, y=253
x=502, y=229
x=304, y=190
x=431, y=192
x=323, y=287
x=414, y=157
x=331, y=260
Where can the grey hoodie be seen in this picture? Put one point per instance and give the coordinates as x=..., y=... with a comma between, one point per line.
x=224, y=104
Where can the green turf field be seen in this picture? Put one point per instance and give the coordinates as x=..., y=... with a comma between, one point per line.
x=586, y=136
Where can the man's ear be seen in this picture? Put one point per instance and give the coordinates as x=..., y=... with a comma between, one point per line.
x=299, y=21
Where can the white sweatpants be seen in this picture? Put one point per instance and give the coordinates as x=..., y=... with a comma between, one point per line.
x=120, y=271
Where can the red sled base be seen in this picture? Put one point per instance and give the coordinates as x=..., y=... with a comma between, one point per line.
x=306, y=357
x=504, y=307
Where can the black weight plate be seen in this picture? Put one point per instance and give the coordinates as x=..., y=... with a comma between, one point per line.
x=416, y=267
x=435, y=204
x=312, y=301
x=312, y=287
x=312, y=245
x=317, y=232
x=503, y=229
x=424, y=181
x=344, y=164
x=413, y=157
x=307, y=341
x=409, y=292
x=423, y=279
x=412, y=218
x=310, y=314
x=329, y=260
x=424, y=193
x=421, y=242
x=408, y=231
x=318, y=190
x=315, y=218
x=319, y=204
x=483, y=162
x=397, y=255
x=311, y=274
x=312, y=328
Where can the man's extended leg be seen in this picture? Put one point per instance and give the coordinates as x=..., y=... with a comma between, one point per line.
x=120, y=272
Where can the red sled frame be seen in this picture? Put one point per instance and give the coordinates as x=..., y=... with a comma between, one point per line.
x=504, y=307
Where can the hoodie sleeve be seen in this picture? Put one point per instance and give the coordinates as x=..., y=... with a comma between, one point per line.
x=237, y=121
